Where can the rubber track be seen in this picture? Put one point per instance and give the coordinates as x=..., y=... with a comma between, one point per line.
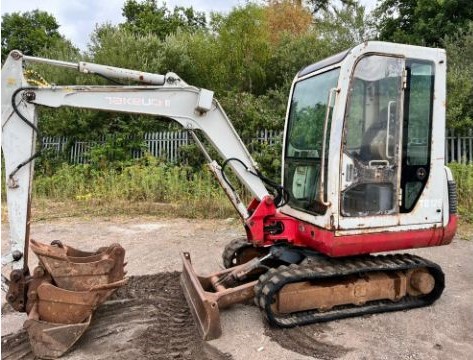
x=322, y=269
x=231, y=249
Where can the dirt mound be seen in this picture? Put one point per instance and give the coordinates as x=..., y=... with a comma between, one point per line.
x=147, y=319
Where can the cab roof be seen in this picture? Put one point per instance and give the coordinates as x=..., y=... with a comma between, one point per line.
x=334, y=59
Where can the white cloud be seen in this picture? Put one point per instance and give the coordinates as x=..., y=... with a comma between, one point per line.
x=77, y=19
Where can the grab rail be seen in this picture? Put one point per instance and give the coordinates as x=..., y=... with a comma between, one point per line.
x=321, y=197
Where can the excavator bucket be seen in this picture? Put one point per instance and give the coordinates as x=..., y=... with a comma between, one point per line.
x=65, y=289
x=70, y=307
x=77, y=270
x=51, y=340
x=206, y=296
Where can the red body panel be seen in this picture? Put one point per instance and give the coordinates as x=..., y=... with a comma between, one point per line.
x=299, y=233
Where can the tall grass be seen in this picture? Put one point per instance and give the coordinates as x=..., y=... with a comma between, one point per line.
x=147, y=189
x=154, y=188
x=463, y=175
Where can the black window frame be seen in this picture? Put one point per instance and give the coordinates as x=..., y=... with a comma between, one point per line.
x=409, y=173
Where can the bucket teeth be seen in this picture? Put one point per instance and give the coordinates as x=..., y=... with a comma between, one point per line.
x=65, y=289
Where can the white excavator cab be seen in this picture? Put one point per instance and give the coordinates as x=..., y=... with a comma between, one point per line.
x=359, y=134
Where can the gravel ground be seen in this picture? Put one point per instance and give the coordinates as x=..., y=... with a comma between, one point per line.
x=442, y=331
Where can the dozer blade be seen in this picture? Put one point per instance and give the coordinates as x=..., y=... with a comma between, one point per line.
x=205, y=297
x=203, y=306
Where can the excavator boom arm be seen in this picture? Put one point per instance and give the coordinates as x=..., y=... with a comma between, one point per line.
x=169, y=96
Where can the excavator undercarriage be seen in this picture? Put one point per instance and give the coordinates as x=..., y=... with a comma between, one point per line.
x=317, y=289
x=326, y=290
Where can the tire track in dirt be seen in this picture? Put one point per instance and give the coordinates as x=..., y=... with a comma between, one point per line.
x=307, y=340
x=147, y=319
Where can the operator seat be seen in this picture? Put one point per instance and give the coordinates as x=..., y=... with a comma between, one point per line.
x=373, y=144
x=373, y=191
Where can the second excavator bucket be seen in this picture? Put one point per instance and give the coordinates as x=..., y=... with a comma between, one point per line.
x=69, y=307
x=64, y=290
x=77, y=270
x=207, y=295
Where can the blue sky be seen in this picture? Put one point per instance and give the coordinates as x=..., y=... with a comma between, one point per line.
x=79, y=17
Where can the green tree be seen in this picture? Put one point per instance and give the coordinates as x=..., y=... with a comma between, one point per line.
x=344, y=26
x=118, y=46
x=421, y=22
x=244, y=48
x=29, y=32
x=292, y=54
x=148, y=17
x=195, y=57
x=317, y=5
x=460, y=79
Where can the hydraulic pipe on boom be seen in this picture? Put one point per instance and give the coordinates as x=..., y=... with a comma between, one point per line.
x=103, y=70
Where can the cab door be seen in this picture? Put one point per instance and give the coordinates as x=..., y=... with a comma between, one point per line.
x=372, y=144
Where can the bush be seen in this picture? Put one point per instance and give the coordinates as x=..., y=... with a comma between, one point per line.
x=463, y=175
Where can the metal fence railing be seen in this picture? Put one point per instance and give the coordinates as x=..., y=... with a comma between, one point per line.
x=459, y=147
x=167, y=144
x=164, y=144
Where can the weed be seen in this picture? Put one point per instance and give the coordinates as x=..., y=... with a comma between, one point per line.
x=140, y=189
x=463, y=175
x=149, y=186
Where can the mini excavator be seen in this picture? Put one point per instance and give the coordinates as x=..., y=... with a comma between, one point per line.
x=363, y=172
